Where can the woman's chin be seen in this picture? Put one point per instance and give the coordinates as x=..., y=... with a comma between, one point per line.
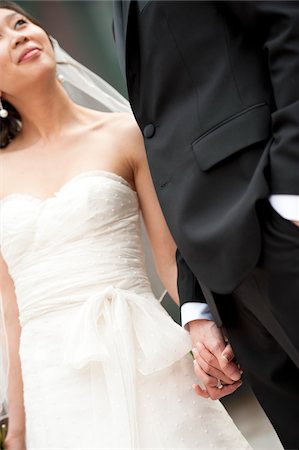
x=41, y=71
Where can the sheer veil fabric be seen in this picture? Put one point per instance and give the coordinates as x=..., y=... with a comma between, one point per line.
x=86, y=89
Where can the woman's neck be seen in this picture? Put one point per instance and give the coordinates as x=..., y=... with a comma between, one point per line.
x=46, y=113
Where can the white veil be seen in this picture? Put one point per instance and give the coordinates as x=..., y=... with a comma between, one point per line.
x=87, y=89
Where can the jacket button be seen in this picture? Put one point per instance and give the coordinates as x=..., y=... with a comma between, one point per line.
x=149, y=131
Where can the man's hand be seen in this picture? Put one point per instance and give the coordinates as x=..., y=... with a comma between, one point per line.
x=213, y=361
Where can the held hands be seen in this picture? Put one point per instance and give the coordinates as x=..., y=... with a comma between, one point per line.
x=213, y=361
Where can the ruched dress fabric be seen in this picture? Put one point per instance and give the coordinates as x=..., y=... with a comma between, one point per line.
x=103, y=365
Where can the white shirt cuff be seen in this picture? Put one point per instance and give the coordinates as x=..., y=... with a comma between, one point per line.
x=194, y=311
x=286, y=205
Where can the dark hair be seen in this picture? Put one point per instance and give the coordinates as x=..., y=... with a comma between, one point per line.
x=11, y=126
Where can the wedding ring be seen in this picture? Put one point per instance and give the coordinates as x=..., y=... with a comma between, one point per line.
x=219, y=384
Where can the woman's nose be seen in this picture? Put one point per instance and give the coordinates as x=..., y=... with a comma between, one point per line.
x=19, y=39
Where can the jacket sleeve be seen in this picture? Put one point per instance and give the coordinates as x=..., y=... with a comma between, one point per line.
x=188, y=286
x=274, y=25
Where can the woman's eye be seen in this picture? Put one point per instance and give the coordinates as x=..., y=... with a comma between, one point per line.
x=20, y=22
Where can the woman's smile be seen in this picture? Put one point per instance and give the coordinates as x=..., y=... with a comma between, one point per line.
x=28, y=54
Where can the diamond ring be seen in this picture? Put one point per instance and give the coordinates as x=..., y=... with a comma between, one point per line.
x=219, y=384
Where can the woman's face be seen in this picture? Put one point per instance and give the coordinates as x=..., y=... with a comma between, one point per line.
x=25, y=53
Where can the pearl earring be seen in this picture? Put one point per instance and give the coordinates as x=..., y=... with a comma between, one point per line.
x=3, y=112
x=60, y=78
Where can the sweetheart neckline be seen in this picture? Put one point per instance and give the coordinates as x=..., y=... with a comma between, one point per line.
x=95, y=172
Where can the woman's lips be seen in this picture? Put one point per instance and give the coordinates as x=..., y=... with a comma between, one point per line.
x=29, y=54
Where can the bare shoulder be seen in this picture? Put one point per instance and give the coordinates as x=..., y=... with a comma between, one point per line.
x=120, y=128
x=126, y=127
x=129, y=137
x=125, y=137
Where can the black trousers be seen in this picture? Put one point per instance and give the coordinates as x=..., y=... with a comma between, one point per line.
x=261, y=318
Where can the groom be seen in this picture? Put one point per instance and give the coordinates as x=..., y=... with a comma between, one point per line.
x=214, y=87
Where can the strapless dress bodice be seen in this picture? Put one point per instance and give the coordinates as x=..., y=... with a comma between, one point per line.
x=86, y=236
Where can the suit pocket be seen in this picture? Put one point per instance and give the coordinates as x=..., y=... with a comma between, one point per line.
x=232, y=135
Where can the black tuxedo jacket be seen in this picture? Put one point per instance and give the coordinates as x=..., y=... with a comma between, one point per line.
x=214, y=87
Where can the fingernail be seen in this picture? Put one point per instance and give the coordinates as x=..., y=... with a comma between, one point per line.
x=241, y=371
x=225, y=357
x=194, y=362
x=236, y=376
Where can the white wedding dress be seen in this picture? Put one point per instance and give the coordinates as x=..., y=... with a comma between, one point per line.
x=103, y=365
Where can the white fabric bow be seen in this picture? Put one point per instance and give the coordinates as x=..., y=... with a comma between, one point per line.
x=127, y=333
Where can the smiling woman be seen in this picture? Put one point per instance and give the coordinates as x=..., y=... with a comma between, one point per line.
x=13, y=20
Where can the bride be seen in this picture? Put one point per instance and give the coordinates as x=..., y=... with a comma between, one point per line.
x=94, y=360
